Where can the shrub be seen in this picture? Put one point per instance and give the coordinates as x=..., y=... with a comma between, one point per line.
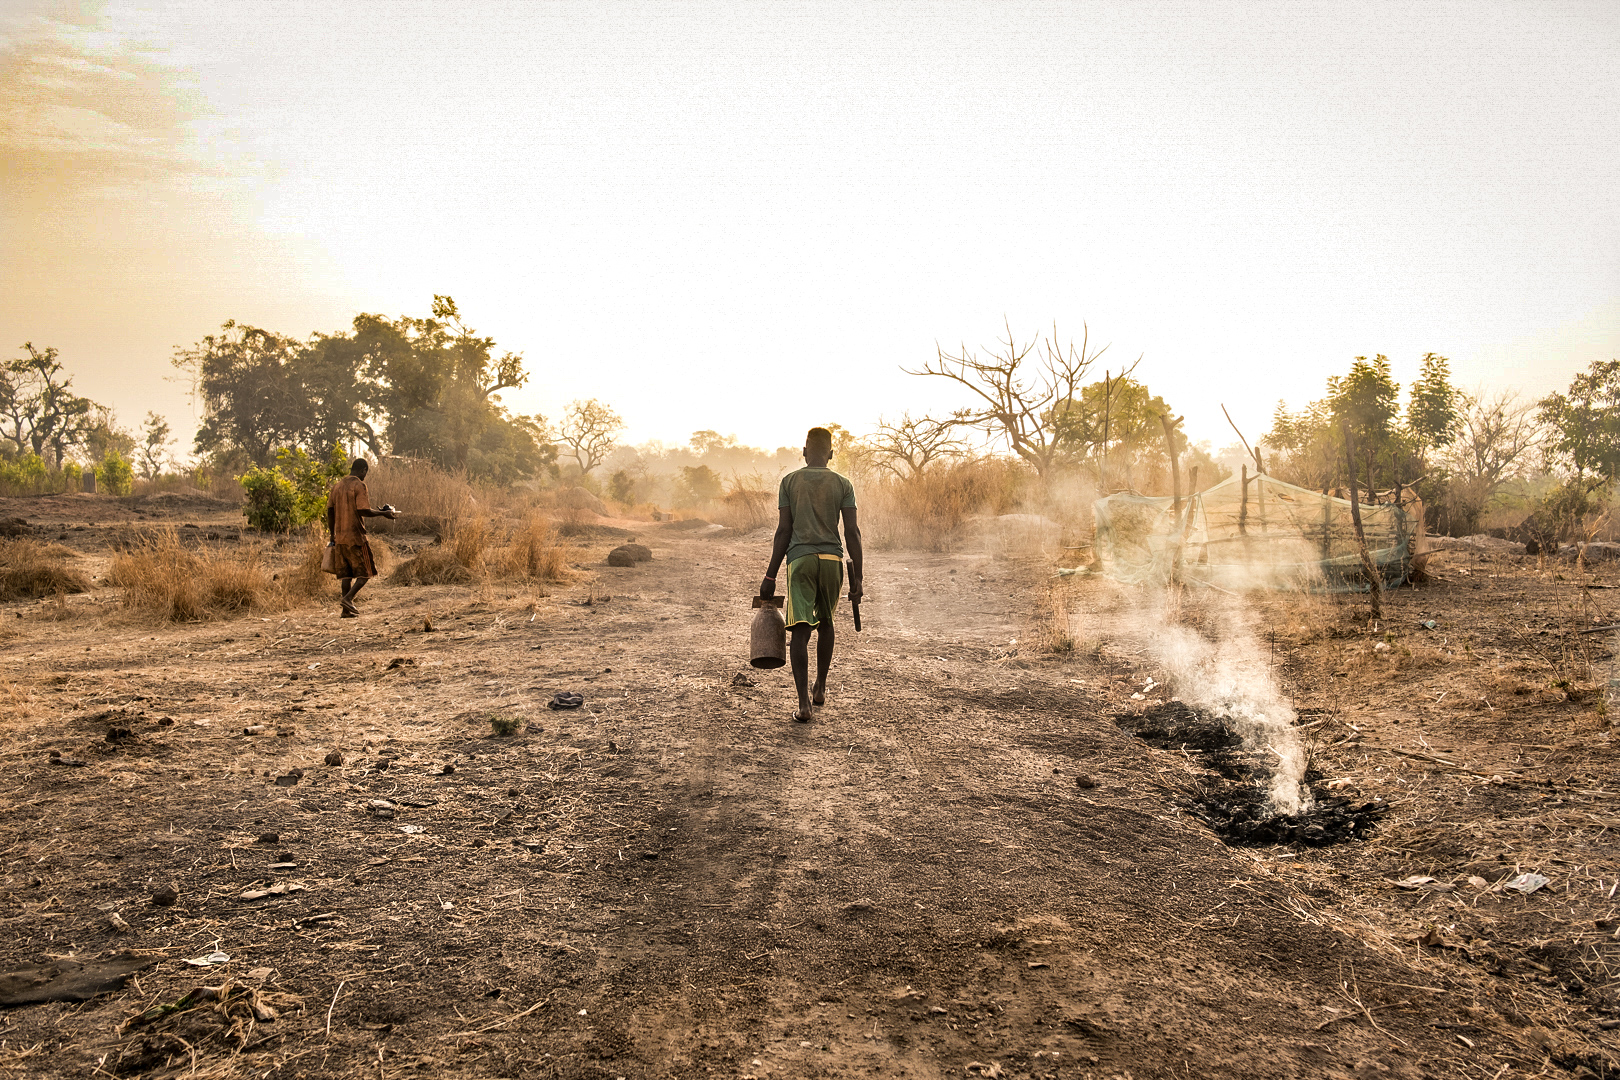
x=272, y=500
x=114, y=475
x=30, y=570
x=27, y=475
x=311, y=479
x=291, y=494
x=504, y=726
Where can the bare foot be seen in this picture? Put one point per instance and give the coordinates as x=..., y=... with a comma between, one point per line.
x=803, y=715
x=818, y=694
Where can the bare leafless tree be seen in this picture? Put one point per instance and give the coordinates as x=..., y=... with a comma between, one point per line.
x=589, y=429
x=1495, y=437
x=907, y=447
x=1018, y=384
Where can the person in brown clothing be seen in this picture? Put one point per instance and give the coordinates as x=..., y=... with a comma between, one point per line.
x=346, y=504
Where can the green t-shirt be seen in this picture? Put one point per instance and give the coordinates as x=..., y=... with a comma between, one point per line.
x=817, y=498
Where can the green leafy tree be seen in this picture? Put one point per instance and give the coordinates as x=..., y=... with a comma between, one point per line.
x=1434, y=407
x=153, y=450
x=1115, y=426
x=622, y=487
x=698, y=484
x=424, y=387
x=104, y=436
x=252, y=394
x=1585, y=422
x=39, y=412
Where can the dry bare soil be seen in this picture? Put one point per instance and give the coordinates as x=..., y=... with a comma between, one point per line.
x=966, y=865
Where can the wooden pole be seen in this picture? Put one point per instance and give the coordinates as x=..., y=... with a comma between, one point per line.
x=1175, y=470
x=1108, y=407
x=1376, y=590
x=1175, y=487
x=1243, y=507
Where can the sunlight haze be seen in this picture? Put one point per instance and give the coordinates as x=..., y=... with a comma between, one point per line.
x=750, y=217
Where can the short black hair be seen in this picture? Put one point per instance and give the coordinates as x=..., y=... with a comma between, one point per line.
x=819, y=438
x=360, y=467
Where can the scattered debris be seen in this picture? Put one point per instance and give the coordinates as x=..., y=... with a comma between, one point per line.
x=166, y=896
x=290, y=778
x=119, y=924
x=1526, y=883
x=742, y=679
x=1085, y=782
x=70, y=980
x=256, y=729
x=280, y=888
x=269, y=838
x=334, y=757
x=212, y=959
x=407, y=661
x=565, y=700
x=56, y=758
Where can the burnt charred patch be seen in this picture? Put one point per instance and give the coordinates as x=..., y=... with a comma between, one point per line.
x=1172, y=725
x=1242, y=815
x=1232, y=796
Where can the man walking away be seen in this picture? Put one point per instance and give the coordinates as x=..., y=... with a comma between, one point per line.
x=810, y=503
x=346, y=504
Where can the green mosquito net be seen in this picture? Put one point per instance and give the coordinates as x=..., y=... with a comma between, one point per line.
x=1263, y=534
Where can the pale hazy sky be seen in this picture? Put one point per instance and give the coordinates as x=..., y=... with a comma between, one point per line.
x=747, y=217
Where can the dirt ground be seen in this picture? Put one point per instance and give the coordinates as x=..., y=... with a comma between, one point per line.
x=965, y=866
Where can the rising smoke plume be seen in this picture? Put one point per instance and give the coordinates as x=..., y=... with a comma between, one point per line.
x=1230, y=678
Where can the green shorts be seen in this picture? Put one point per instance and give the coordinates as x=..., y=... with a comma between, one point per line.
x=813, y=585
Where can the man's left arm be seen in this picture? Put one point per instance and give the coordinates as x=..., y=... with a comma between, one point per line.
x=852, y=542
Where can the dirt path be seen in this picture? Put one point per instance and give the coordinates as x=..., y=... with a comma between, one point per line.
x=962, y=867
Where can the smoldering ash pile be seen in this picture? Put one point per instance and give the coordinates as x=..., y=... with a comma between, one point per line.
x=1230, y=679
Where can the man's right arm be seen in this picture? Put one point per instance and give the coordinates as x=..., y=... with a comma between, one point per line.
x=779, y=549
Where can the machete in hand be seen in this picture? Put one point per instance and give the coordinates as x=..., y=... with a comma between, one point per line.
x=854, y=604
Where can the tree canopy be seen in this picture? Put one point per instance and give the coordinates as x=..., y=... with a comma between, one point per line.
x=1585, y=422
x=427, y=387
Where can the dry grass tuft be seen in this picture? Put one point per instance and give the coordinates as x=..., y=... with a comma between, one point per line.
x=162, y=578
x=745, y=509
x=473, y=552
x=428, y=498
x=930, y=511
x=30, y=570
x=535, y=551
x=457, y=559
